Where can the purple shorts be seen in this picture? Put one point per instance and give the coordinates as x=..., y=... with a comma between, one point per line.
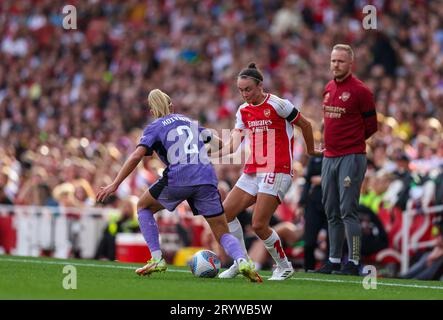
x=203, y=199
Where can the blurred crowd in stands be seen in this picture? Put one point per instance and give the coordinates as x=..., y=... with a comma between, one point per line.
x=73, y=102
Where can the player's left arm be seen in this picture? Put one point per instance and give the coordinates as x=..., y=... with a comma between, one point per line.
x=368, y=112
x=287, y=110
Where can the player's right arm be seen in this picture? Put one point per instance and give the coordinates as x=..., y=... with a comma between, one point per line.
x=144, y=148
x=129, y=166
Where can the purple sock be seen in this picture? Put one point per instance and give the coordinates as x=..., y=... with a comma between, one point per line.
x=232, y=246
x=149, y=229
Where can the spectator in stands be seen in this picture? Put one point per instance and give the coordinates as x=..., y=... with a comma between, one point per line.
x=64, y=195
x=439, y=188
x=430, y=265
x=84, y=193
x=403, y=174
x=314, y=213
x=45, y=196
x=4, y=199
x=374, y=237
x=126, y=221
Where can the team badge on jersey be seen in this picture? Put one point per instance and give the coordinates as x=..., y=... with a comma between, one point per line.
x=345, y=96
x=267, y=112
x=347, y=182
x=325, y=100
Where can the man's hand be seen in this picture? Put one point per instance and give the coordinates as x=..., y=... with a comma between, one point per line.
x=106, y=192
x=317, y=152
x=316, y=180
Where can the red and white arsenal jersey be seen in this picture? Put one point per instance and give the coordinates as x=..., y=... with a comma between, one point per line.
x=270, y=129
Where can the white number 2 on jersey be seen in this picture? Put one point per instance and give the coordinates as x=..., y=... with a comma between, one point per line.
x=189, y=146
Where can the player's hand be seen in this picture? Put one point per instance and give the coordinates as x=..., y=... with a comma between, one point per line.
x=105, y=192
x=317, y=152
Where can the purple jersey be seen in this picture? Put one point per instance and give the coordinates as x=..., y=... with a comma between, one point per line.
x=179, y=142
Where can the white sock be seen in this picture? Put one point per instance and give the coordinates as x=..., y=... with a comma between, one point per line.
x=236, y=230
x=335, y=260
x=354, y=262
x=157, y=254
x=275, y=249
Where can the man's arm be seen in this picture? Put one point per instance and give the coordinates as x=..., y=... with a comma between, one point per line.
x=368, y=112
x=307, y=186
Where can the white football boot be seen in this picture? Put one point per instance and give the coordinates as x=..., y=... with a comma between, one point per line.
x=244, y=267
x=230, y=273
x=281, y=273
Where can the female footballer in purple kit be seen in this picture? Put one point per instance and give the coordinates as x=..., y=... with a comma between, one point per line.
x=179, y=143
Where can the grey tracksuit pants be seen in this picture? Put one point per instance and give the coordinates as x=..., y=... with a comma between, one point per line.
x=341, y=179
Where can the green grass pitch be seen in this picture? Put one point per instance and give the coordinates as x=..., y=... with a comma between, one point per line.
x=42, y=278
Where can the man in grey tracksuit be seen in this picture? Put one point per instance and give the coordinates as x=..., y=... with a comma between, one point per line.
x=349, y=119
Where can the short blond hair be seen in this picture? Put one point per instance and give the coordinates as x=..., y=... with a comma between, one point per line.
x=346, y=48
x=159, y=102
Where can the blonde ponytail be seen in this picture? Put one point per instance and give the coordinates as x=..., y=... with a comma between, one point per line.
x=159, y=103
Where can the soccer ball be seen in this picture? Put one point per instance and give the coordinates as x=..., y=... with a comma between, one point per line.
x=205, y=264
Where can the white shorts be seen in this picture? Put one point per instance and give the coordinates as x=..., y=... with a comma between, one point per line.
x=276, y=184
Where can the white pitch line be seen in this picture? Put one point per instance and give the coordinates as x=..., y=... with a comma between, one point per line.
x=76, y=264
x=185, y=271
x=378, y=283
